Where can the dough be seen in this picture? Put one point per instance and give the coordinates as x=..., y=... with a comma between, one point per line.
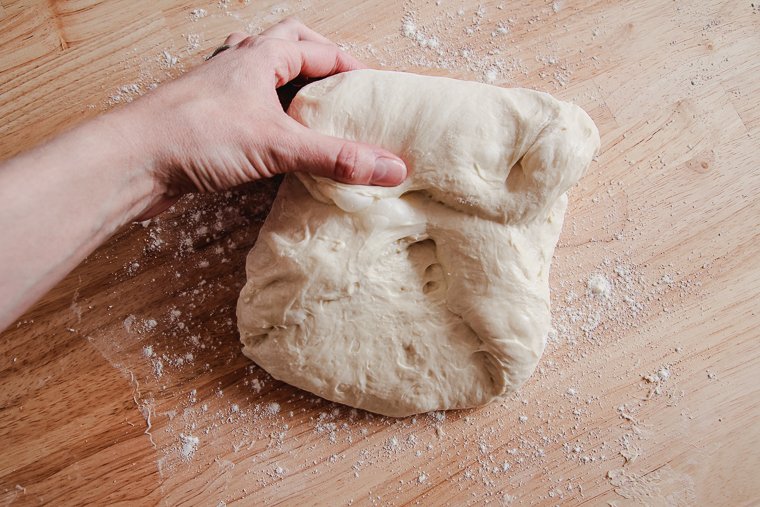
x=434, y=294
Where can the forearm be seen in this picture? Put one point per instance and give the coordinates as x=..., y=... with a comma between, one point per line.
x=64, y=198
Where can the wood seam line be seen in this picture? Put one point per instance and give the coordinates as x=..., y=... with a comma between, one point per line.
x=58, y=24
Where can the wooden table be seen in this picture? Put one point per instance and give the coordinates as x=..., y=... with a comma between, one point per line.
x=126, y=383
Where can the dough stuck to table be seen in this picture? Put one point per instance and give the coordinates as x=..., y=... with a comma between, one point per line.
x=431, y=295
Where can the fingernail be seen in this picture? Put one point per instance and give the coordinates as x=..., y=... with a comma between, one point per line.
x=388, y=171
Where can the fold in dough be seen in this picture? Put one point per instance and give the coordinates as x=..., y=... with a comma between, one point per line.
x=434, y=294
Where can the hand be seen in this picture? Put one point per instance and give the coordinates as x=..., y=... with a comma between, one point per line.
x=222, y=124
x=218, y=126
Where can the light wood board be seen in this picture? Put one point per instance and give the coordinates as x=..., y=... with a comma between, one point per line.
x=648, y=397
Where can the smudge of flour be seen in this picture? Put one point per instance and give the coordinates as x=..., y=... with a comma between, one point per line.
x=663, y=486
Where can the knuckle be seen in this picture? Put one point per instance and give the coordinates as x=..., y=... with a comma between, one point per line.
x=346, y=162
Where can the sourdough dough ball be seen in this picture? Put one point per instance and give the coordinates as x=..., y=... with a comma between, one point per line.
x=434, y=294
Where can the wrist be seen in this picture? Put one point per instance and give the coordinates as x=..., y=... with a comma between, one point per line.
x=136, y=159
x=129, y=134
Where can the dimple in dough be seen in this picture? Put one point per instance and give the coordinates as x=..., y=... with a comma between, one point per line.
x=430, y=295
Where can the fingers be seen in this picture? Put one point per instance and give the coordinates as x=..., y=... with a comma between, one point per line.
x=310, y=59
x=342, y=160
x=297, y=51
x=290, y=50
x=293, y=30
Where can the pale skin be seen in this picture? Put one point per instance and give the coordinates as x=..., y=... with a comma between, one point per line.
x=214, y=128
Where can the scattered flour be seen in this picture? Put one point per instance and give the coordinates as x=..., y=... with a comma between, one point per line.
x=168, y=60
x=591, y=309
x=197, y=14
x=193, y=41
x=126, y=93
x=189, y=444
x=599, y=285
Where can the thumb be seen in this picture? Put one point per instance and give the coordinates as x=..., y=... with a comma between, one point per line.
x=346, y=161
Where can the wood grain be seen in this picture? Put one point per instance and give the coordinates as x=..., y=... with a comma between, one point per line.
x=104, y=380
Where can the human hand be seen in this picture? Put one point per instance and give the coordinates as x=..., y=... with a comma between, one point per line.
x=221, y=124
x=216, y=127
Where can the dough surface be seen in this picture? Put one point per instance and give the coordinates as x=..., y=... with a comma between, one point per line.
x=434, y=294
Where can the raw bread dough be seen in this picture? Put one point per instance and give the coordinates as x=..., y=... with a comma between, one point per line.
x=434, y=294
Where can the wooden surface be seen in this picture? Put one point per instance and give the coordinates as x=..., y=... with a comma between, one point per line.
x=649, y=396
